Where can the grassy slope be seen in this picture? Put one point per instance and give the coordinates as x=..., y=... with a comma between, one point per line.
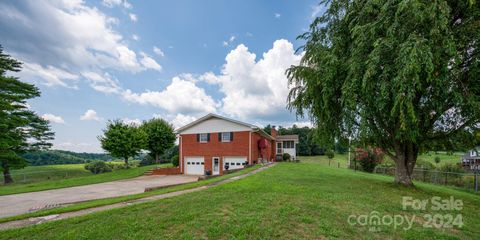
x=83, y=178
x=108, y=201
x=343, y=159
x=303, y=200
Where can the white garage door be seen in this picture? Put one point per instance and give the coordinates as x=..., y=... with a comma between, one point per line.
x=234, y=162
x=194, y=166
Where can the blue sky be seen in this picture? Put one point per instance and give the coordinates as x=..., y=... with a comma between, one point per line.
x=135, y=60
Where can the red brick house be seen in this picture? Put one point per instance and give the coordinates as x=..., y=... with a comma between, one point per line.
x=214, y=143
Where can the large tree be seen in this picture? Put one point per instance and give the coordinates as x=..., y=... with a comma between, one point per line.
x=21, y=129
x=400, y=75
x=160, y=137
x=122, y=140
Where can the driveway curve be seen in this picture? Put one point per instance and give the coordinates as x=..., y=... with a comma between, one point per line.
x=15, y=204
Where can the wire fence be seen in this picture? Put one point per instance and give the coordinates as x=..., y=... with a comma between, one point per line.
x=462, y=180
x=38, y=176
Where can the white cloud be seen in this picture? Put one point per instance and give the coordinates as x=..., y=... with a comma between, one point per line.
x=277, y=15
x=316, y=9
x=158, y=51
x=102, y=83
x=181, y=96
x=149, y=62
x=90, y=114
x=113, y=3
x=135, y=37
x=133, y=17
x=83, y=39
x=229, y=41
x=50, y=76
x=53, y=118
x=134, y=121
x=255, y=89
x=181, y=120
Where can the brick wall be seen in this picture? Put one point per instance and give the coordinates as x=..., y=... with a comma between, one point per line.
x=214, y=148
x=166, y=171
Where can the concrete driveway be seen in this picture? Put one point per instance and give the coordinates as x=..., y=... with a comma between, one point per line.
x=16, y=204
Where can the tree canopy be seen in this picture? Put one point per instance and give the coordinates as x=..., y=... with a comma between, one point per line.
x=399, y=75
x=122, y=140
x=21, y=129
x=160, y=137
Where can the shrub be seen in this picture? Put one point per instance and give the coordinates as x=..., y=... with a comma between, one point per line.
x=330, y=153
x=437, y=159
x=98, y=167
x=286, y=157
x=175, y=161
x=369, y=158
x=425, y=164
x=147, y=160
x=452, y=167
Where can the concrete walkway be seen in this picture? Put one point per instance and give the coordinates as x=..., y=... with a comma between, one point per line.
x=38, y=220
x=15, y=204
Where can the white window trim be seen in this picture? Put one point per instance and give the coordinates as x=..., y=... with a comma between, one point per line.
x=200, y=137
x=228, y=134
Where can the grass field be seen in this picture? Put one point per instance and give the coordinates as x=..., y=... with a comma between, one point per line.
x=343, y=159
x=288, y=201
x=67, y=175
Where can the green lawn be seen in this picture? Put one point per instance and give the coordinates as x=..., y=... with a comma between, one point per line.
x=343, y=159
x=288, y=201
x=61, y=176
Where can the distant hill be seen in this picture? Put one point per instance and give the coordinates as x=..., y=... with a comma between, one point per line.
x=62, y=157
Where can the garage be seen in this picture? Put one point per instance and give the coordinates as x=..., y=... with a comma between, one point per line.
x=194, y=165
x=234, y=162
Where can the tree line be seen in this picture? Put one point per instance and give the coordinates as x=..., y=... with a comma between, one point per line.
x=50, y=157
x=126, y=140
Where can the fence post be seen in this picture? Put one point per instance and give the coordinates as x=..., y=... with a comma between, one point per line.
x=476, y=180
x=338, y=165
x=424, y=172
x=24, y=177
x=446, y=178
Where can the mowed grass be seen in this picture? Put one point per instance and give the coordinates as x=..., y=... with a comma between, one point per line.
x=67, y=175
x=288, y=201
x=341, y=160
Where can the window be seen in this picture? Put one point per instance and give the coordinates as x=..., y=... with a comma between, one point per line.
x=203, y=137
x=473, y=153
x=238, y=164
x=288, y=144
x=226, y=136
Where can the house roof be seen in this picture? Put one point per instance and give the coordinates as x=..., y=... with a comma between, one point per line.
x=287, y=138
x=467, y=154
x=212, y=115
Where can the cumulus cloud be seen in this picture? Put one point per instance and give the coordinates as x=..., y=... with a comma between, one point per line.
x=102, y=82
x=83, y=39
x=134, y=121
x=255, y=89
x=181, y=96
x=49, y=75
x=133, y=17
x=53, y=118
x=149, y=63
x=158, y=51
x=181, y=120
x=277, y=15
x=135, y=37
x=90, y=115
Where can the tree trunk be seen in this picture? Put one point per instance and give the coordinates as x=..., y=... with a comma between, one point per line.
x=7, y=178
x=157, y=157
x=126, y=162
x=405, y=158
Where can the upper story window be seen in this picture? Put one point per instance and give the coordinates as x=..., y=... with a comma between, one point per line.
x=226, y=136
x=288, y=144
x=203, y=137
x=473, y=153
